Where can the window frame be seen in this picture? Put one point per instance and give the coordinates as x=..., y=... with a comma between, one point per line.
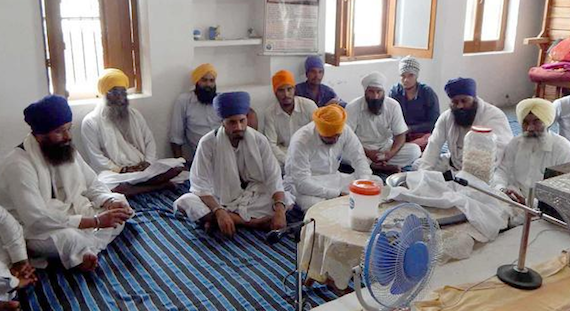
x=477, y=45
x=55, y=45
x=344, y=52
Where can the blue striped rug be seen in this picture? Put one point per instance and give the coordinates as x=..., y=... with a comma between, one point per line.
x=161, y=261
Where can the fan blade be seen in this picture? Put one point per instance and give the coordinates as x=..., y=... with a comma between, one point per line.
x=410, y=249
x=412, y=231
x=383, y=260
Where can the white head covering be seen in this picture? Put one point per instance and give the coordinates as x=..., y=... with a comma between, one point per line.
x=409, y=64
x=374, y=79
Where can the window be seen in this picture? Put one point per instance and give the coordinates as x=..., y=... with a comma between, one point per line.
x=372, y=29
x=485, y=25
x=83, y=37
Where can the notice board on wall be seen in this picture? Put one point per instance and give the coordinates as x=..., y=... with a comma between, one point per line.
x=291, y=27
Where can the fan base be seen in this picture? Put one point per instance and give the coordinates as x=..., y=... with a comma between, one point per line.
x=528, y=279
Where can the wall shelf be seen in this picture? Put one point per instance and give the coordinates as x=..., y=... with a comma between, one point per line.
x=236, y=42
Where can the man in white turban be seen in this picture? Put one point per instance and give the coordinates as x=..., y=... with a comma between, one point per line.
x=378, y=122
x=529, y=154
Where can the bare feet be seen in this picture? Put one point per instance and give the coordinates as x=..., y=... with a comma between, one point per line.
x=89, y=264
x=9, y=305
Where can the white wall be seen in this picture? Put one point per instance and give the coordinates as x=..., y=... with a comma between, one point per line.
x=168, y=57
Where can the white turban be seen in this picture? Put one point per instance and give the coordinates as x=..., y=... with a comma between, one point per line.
x=374, y=79
x=541, y=108
x=409, y=64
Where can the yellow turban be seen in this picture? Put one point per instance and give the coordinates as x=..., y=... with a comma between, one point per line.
x=282, y=77
x=111, y=78
x=203, y=70
x=329, y=120
x=541, y=108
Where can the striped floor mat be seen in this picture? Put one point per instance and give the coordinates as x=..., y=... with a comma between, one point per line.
x=161, y=261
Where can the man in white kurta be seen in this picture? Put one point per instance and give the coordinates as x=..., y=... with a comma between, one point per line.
x=288, y=114
x=466, y=110
x=193, y=114
x=379, y=124
x=235, y=180
x=56, y=196
x=562, y=108
x=315, y=154
x=15, y=270
x=528, y=155
x=119, y=143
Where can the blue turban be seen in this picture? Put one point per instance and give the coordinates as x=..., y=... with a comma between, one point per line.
x=231, y=104
x=314, y=62
x=47, y=114
x=461, y=86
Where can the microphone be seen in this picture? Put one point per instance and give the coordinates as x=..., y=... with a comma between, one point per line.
x=275, y=236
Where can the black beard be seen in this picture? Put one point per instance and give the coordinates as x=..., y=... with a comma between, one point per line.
x=465, y=117
x=375, y=105
x=205, y=94
x=58, y=154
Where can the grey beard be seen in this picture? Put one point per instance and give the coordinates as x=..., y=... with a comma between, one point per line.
x=120, y=118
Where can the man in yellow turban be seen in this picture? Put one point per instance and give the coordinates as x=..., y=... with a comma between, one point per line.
x=378, y=122
x=529, y=154
x=286, y=115
x=193, y=115
x=315, y=154
x=118, y=140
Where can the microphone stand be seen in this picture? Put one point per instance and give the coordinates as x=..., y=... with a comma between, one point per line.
x=295, y=232
x=518, y=275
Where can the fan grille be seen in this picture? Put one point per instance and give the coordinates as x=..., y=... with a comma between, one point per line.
x=401, y=253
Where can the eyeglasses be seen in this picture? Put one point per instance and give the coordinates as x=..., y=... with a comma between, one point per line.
x=116, y=92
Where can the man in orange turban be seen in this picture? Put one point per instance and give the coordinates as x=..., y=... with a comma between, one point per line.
x=193, y=115
x=315, y=154
x=286, y=115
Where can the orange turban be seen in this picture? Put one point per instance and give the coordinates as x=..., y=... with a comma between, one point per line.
x=282, y=77
x=203, y=70
x=329, y=120
x=111, y=78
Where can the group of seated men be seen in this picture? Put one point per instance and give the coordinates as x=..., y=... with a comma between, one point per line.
x=53, y=205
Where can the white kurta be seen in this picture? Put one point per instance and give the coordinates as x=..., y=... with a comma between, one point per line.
x=219, y=170
x=51, y=201
x=280, y=126
x=12, y=250
x=191, y=120
x=446, y=130
x=109, y=151
x=562, y=106
x=311, y=168
x=376, y=132
x=526, y=159
x=106, y=146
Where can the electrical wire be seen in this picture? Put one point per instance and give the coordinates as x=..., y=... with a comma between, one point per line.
x=494, y=275
x=284, y=281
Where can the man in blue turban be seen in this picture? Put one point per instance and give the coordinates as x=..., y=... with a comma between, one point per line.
x=56, y=196
x=235, y=179
x=313, y=89
x=466, y=110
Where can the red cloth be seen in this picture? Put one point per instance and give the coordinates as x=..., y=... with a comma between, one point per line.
x=561, y=51
x=538, y=74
